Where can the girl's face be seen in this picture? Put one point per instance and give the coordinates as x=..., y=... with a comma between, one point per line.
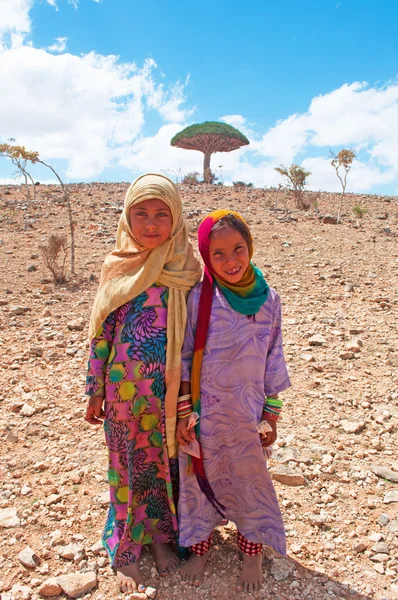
x=229, y=254
x=151, y=222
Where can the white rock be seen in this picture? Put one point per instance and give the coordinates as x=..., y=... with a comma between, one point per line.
x=352, y=426
x=150, y=592
x=76, y=584
x=22, y=592
x=28, y=558
x=281, y=569
x=27, y=410
x=9, y=517
x=287, y=476
x=316, y=340
x=391, y=497
x=71, y=550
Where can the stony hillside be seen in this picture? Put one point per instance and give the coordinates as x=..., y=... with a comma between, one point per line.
x=335, y=464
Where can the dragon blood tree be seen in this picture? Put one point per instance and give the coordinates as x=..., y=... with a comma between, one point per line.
x=209, y=137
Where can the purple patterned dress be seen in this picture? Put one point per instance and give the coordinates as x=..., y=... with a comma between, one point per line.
x=243, y=361
x=127, y=367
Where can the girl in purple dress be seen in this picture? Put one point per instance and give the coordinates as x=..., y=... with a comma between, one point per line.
x=134, y=372
x=233, y=371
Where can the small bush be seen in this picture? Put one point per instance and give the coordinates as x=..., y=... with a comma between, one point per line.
x=359, y=212
x=191, y=178
x=54, y=256
x=242, y=184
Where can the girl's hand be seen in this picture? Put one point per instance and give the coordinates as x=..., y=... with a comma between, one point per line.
x=271, y=436
x=184, y=436
x=94, y=412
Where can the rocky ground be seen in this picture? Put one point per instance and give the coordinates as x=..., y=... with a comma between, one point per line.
x=335, y=464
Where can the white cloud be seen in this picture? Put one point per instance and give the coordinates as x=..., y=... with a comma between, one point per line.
x=52, y=3
x=59, y=46
x=80, y=108
x=74, y=3
x=14, y=16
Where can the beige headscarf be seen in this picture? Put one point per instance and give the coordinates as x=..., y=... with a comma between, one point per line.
x=130, y=269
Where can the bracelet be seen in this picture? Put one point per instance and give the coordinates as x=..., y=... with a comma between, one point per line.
x=185, y=397
x=184, y=406
x=273, y=408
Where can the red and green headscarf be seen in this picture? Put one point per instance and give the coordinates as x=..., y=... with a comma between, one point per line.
x=245, y=296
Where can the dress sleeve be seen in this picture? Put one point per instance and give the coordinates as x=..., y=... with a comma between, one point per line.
x=189, y=339
x=276, y=375
x=100, y=350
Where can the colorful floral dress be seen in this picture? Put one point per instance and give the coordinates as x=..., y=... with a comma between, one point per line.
x=127, y=367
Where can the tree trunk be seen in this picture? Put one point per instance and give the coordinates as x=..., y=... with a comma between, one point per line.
x=340, y=206
x=71, y=225
x=206, y=168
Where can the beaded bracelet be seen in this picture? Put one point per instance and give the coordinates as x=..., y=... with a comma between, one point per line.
x=184, y=406
x=273, y=408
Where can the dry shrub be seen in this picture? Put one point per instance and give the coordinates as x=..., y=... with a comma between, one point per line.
x=54, y=256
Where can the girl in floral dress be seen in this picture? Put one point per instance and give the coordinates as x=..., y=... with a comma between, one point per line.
x=136, y=334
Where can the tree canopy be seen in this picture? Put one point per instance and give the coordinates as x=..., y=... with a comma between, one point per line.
x=209, y=137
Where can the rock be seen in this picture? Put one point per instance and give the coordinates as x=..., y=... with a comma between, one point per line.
x=103, y=499
x=22, y=592
x=28, y=558
x=379, y=568
x=52, y=499
x=70, y=551
x=75, y=326
x=385, y=473
x=16, y=310
x=352, y=426
x=97, y=548
x=12, y=438
x=354, y=345
x=76, y=584
x=9, y=518
x=287, y=476
x=381, y=547
x=27, y=410
x=316, y=340
x=150, y=592
x=286, y=454
x=380, y=558
x=383, y=520
x=346, y=355
x=361, y=547
x=281, y=569
x=50, y=588
x=328, y=219
x=393, y=527
x=307, y=357
x=391, y=497
x=32, y=268
x=137, y=596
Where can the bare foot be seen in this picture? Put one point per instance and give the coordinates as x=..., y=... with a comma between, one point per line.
x=166, y=560
x=193, y=571
x=251, y=575
x=130, y=579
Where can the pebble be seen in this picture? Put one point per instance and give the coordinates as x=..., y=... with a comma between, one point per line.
x=50, y=588
x=28, y=558
x=27, y=410
x=287, y=476
x=21, y=592
x=385, y=473
x=381, y=547
x=69, y=552
x=150, y=592
x=380, y=558
x=76, y=584
x=391, y=497
x=316, y=340
x=9, y=517
x=281, y=569
x=352, y=426
x=383, y=520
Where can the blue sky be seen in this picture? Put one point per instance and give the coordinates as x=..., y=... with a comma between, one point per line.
x=100, y=87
